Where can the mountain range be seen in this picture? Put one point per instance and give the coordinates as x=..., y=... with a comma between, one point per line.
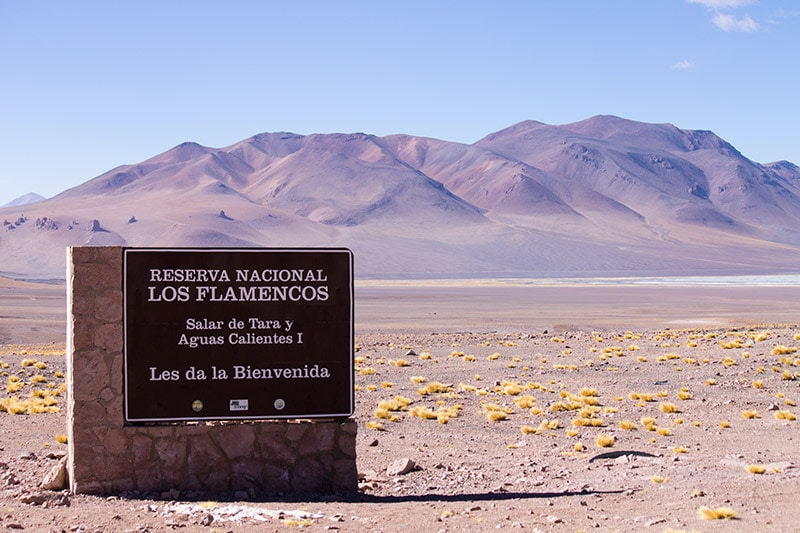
x=604, y=196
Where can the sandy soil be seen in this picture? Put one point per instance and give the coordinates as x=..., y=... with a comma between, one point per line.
x=512, y=408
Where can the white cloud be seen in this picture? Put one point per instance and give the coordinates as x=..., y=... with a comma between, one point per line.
x=731, y=23
x=779, y=16
x=717, y=4
x=684, y=64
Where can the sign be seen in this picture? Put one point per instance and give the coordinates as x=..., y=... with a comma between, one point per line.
x=253, y=333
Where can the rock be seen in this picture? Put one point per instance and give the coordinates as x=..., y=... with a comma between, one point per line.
x=94, y=225
x=34, y=498
x=8, y=479
x=27, y=454
x=45, y=500
x=56, y=478
x=401, y=467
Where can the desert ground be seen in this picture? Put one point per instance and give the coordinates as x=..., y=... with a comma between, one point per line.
x=483, y=407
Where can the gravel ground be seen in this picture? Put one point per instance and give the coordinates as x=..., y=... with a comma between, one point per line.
x=555, y=431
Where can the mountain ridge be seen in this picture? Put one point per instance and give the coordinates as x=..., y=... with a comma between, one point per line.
x=604, y=195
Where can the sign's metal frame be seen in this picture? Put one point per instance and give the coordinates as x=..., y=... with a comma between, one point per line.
x=303, y=371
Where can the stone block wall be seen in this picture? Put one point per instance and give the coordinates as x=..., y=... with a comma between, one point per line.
x=106, y=456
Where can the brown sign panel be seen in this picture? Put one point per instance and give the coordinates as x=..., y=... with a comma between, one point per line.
x=222, y=334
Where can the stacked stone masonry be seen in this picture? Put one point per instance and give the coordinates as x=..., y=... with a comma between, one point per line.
x=106, y=456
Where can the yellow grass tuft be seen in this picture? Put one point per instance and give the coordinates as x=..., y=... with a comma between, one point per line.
x=495, y=416
x=627, y=425
x=434, y=387
x=605, y=440
x=719, y=513
x=666, y=407
x=642, y=396
x=381, y=413
x=756, y=469
x=511, y=388
x=425, y=413
x=588, y=422
x=526, y=401
x=783, y=350
x=750, y=414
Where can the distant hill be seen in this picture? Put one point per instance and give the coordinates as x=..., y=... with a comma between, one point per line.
x=604, y=196
x=25, y=199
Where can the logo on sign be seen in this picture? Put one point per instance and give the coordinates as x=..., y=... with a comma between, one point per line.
x=238, y=405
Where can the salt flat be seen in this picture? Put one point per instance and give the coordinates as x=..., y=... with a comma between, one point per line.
x=482, y=306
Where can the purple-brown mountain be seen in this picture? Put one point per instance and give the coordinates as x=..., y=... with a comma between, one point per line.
x=605, y=196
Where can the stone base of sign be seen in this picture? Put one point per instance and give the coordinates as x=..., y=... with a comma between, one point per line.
x=106, y=456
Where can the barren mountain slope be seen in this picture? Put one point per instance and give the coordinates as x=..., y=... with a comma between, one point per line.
x=605, y=195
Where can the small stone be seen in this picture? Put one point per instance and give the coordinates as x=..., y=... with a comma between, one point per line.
x=35, y=498
x=401, y=467
x=56, y=478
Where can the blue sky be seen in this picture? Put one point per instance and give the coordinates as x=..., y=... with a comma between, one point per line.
x=87, y=86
